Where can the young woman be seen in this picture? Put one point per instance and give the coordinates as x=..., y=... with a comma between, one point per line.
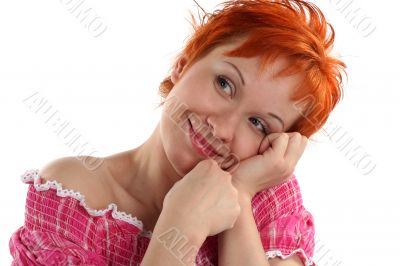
x=214, y=183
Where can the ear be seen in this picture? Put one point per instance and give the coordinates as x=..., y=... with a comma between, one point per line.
x=177, y=71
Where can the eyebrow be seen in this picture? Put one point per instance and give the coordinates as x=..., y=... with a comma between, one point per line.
x=243, y=83
x=278, y=118
x=237, y=70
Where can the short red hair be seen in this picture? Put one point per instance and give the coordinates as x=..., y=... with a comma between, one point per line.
x=293, y=28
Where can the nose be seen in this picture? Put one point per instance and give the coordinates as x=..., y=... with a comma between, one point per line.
x=222, y=127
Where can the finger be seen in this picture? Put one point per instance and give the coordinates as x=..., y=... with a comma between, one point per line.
x=296, y=146
x=293, y=143
x=230, y=162
x=278, y=144
x=266, y=142
x=264, y=145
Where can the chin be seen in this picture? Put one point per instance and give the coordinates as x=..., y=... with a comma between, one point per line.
x=184, y=169
x=177, y=147
x=182, y=162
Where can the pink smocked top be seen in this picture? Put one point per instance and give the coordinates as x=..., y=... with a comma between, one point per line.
x=60, y=229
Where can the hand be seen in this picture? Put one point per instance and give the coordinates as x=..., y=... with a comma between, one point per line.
x=275, y=163
x=204, y=200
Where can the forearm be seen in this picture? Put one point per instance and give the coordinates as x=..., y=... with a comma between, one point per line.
x=172, y=244
x=242, y=245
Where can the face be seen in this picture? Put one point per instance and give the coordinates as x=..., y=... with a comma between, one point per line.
x=224, y=96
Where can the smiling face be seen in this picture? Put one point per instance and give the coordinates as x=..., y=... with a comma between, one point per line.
x=226, y=96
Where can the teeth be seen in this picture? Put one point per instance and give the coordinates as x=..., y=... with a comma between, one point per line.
x=204, y=144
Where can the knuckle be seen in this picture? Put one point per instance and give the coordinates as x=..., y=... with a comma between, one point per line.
x=285, y=135
x=297, y=135
x=227, y=175
x=211, y=162
x=208, y=164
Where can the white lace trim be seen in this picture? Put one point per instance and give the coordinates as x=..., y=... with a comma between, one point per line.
x=277, y=253
x=33, y=175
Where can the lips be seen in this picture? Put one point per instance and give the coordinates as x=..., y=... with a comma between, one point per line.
x=201, y=144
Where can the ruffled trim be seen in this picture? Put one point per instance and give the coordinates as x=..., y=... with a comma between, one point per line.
x=32, y=176
x=277, y=253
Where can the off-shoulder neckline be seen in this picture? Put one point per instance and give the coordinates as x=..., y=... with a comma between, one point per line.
x=33, y=176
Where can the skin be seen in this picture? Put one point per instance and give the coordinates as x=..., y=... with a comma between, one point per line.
x=232, y=112
x=159, y=162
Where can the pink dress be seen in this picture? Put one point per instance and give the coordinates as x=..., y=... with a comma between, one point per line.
x=60, y=229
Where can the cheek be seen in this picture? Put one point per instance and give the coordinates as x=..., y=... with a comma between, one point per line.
x=246, y=144
x=190, y=93
x=179, y=156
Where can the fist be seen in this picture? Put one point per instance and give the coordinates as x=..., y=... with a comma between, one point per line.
x=274, y=164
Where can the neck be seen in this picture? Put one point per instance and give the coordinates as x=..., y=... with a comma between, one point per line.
x=150, y=175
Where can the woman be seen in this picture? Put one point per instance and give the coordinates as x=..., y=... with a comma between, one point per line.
x=214, y=183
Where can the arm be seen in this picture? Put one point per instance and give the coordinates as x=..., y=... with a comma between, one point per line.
x=242, y=245
x=275, y=162
x=202, y=203
x=172, y=244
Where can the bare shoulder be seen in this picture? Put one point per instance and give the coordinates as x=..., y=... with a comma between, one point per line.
x=68, y=170
x=74, y=174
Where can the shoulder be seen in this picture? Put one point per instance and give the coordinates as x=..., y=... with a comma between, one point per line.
x=68, y=169
x=72, y=173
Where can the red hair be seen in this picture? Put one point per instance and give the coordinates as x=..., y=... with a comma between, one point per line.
x=292, y=28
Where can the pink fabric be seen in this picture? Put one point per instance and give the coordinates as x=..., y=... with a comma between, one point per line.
x=60, y=229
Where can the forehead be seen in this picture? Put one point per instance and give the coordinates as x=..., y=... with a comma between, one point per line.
x=251, y=64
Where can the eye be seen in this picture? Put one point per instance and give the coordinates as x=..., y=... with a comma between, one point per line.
x=262, y=127
x=225, y=84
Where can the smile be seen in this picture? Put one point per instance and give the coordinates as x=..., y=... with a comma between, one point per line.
x=200, y=144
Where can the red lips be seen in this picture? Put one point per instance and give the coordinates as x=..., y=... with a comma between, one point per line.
x=201, y=144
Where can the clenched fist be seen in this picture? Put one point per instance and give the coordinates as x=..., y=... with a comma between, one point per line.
x=275, y=163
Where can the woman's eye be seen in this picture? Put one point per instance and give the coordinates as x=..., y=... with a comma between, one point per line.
x=257, y=122
x=225, y=84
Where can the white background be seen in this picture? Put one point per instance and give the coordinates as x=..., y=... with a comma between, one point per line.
x=106, y=88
